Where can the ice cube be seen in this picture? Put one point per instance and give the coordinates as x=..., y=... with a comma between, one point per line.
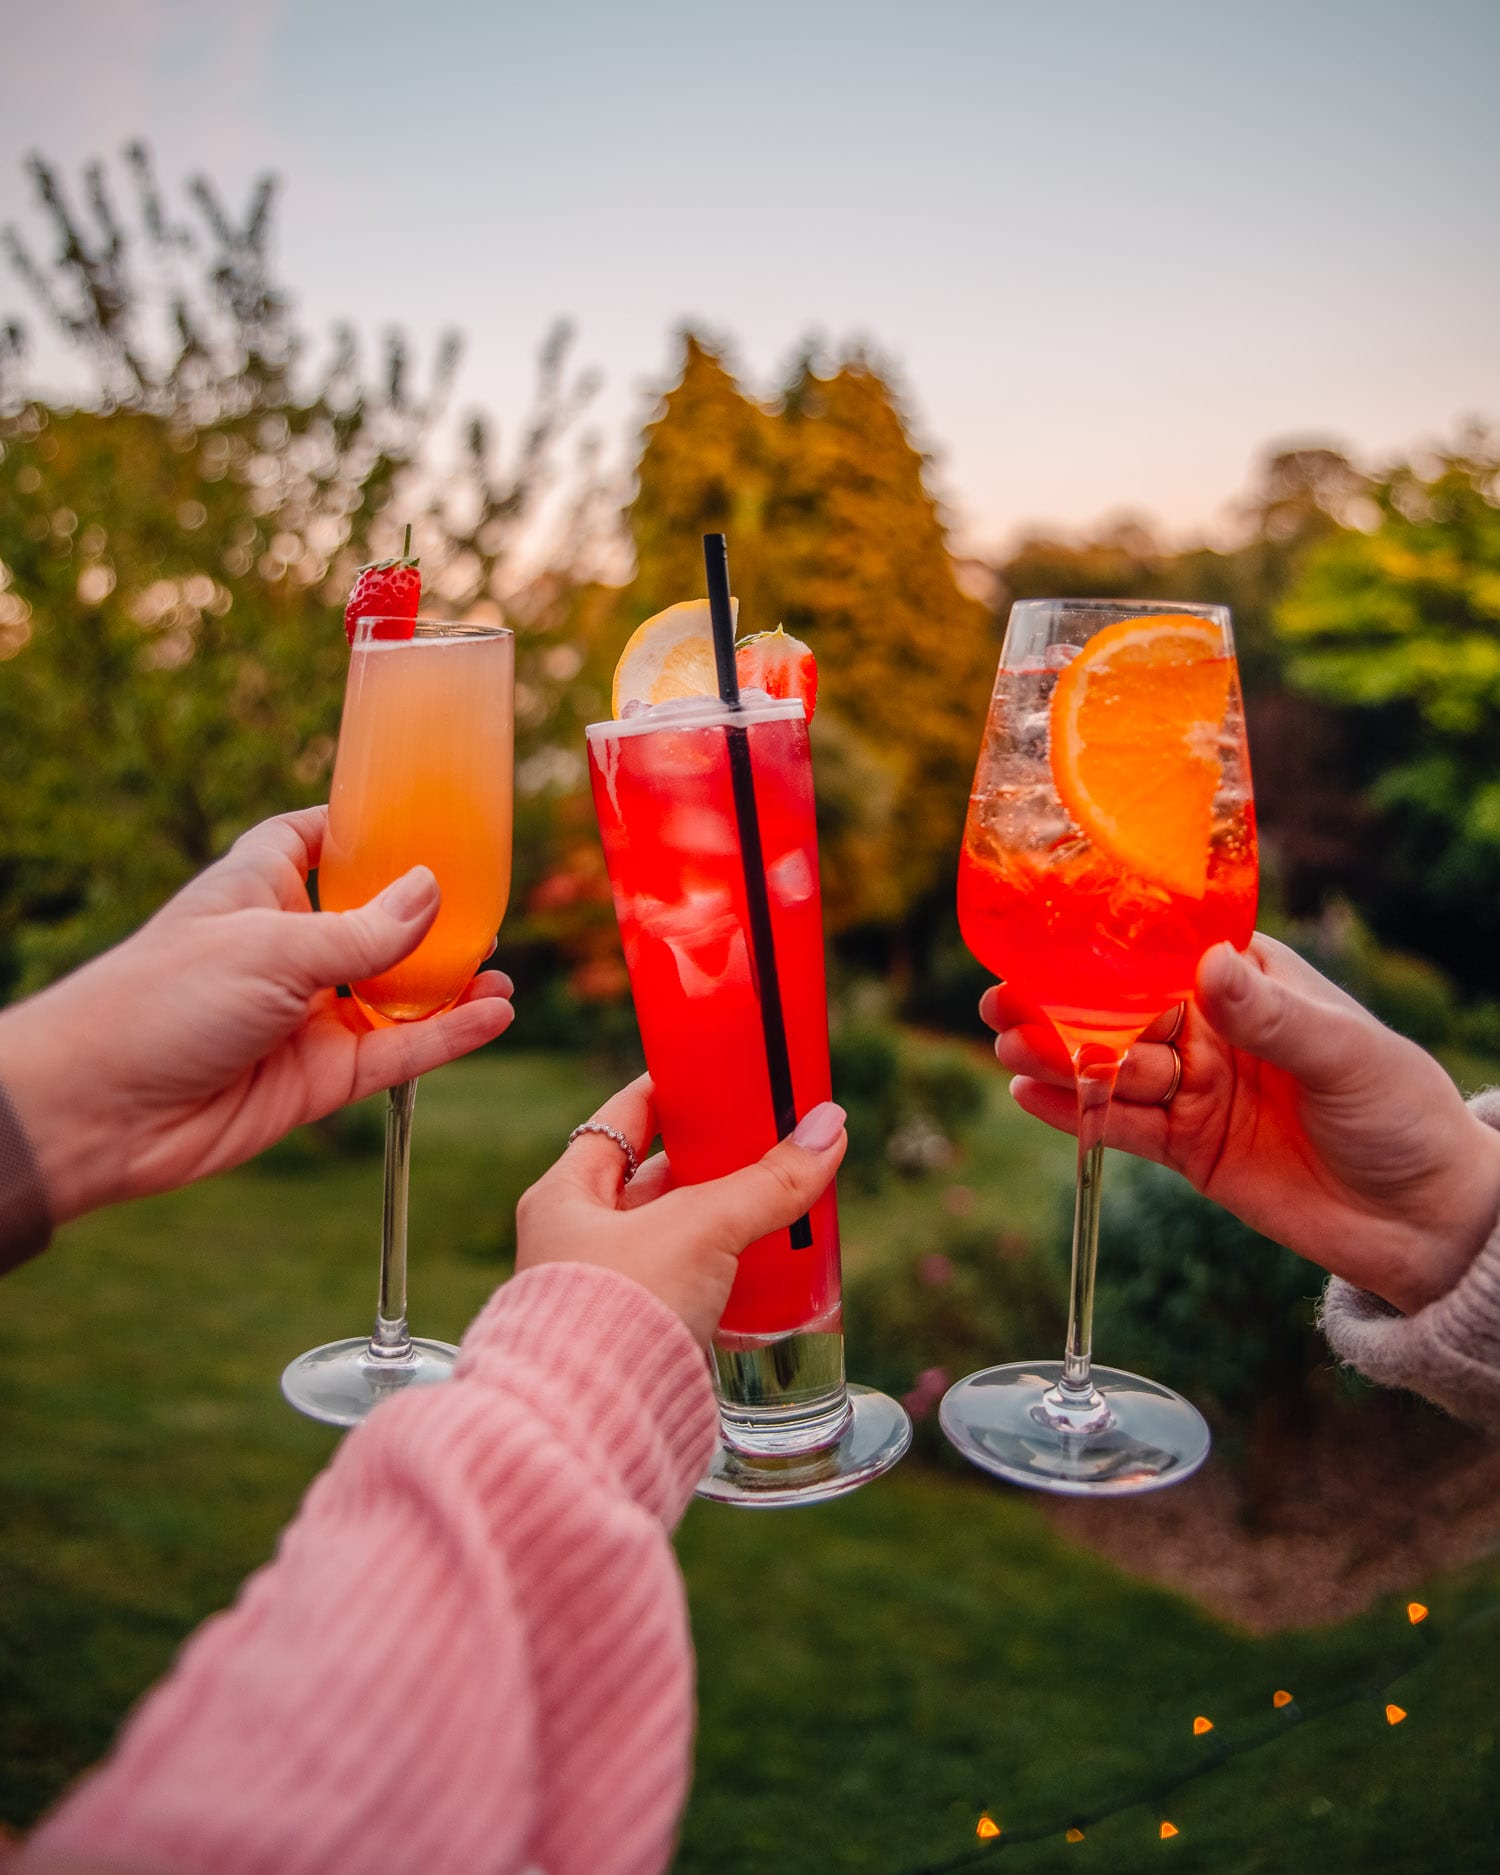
x=698, y=831
x=792, y=880
x=703, y=933
x=1057, y=656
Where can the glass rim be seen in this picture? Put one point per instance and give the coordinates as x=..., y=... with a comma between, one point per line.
x=714, y=715
x=424, y=628
x=1146, y=607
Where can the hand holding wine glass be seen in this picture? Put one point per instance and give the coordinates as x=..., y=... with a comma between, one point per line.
x=1298, y=1111
x=215, y=1029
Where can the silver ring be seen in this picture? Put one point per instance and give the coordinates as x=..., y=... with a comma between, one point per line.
x=1176, y=1028
x=1176, y=1080
x=632, y=1164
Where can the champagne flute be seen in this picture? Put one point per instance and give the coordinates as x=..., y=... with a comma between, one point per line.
x=1110, y=842
x=423, y=777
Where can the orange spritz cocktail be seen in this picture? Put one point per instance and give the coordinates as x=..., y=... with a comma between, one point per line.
x=1110, y=842
x=423, y=777
x=1111, y=831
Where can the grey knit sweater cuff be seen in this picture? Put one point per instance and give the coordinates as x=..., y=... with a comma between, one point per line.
x=1450, y=1351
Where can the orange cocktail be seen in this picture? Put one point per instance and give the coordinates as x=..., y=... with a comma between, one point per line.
x=1110, y=842
x=423, y=777
x=1093, y=885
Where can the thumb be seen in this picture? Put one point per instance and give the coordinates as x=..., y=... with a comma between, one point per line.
x=1319, y=1043
x=777, y=1189
x=331, y=947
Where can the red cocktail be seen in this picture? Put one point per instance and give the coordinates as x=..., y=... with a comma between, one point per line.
x=666, y=814
x=672, y=834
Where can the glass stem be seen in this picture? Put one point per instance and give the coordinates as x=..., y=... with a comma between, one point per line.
x=391, y=1340
x=1095, y=1069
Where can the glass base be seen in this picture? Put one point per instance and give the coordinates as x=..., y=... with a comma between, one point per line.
x=342, y=1381
x=1135, y=1436
x=877, y=1434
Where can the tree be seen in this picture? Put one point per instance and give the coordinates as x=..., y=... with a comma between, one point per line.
x=833, y=533
x=1401, y=625
x=175, y=552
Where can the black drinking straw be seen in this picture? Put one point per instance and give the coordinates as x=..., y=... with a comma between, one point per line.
x=752, y=858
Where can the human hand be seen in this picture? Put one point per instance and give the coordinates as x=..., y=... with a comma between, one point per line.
x=681, y=1243
x=1299, y=1112
x=216, y=1028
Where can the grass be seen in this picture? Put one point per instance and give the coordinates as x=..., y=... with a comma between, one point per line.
x=873, y=1672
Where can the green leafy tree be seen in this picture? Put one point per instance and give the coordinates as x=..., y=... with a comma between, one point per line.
x=1400, y=626
x=175, y=550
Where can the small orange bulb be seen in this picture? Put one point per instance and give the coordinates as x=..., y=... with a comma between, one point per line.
x=1415, y=1612
x=987, y=1827
x=1394, y=1714
x=1167, y=1829
x=1074, y=1835
x=1202, y=1725
x=1281, y=1699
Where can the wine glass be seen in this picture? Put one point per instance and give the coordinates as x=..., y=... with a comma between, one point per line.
x=1110, y=842
x=423, y=777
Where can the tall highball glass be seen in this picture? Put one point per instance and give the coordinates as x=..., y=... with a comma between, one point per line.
x=792, y=1431
x=1110, y=842
x=423, y=778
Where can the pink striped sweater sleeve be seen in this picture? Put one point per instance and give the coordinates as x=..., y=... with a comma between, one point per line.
x=471, y=1654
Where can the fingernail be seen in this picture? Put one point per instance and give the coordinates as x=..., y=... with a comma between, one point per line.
x=413, y=892
x=817, y=1130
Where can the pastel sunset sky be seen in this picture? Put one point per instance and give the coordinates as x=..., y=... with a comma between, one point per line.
x=1111, y=251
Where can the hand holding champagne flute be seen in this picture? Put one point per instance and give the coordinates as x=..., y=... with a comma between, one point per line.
x=423, y=777
x=1110, y=843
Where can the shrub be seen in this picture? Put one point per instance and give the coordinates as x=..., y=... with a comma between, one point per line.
x=965, y=1298
x=907, y=1109
x=1194, y=1298
x=1410, y=994
x=1478, y=1029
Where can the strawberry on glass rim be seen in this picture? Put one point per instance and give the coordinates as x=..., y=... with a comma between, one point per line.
x=672, y=656
x=779, y=665
x=389, y=591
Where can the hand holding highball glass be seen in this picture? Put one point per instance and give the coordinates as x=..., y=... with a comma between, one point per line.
x=1110, y=843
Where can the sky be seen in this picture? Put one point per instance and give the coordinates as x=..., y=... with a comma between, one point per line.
x=1111, y=251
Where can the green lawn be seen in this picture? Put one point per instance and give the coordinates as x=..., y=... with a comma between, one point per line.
x=873, y=1672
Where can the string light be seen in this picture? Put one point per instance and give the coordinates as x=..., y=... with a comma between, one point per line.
x=1289, y=1714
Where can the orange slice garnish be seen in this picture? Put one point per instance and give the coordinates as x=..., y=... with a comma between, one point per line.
x=1134, y=738
x=670, y=656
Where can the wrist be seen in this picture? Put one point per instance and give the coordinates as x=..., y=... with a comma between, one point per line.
x=45, y=1069
x=1467, y=1216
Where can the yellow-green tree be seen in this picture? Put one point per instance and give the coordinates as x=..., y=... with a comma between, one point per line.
x=834, y=533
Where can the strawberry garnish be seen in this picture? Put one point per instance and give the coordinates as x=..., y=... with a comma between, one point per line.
x=390, y=590
x=781, y=666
